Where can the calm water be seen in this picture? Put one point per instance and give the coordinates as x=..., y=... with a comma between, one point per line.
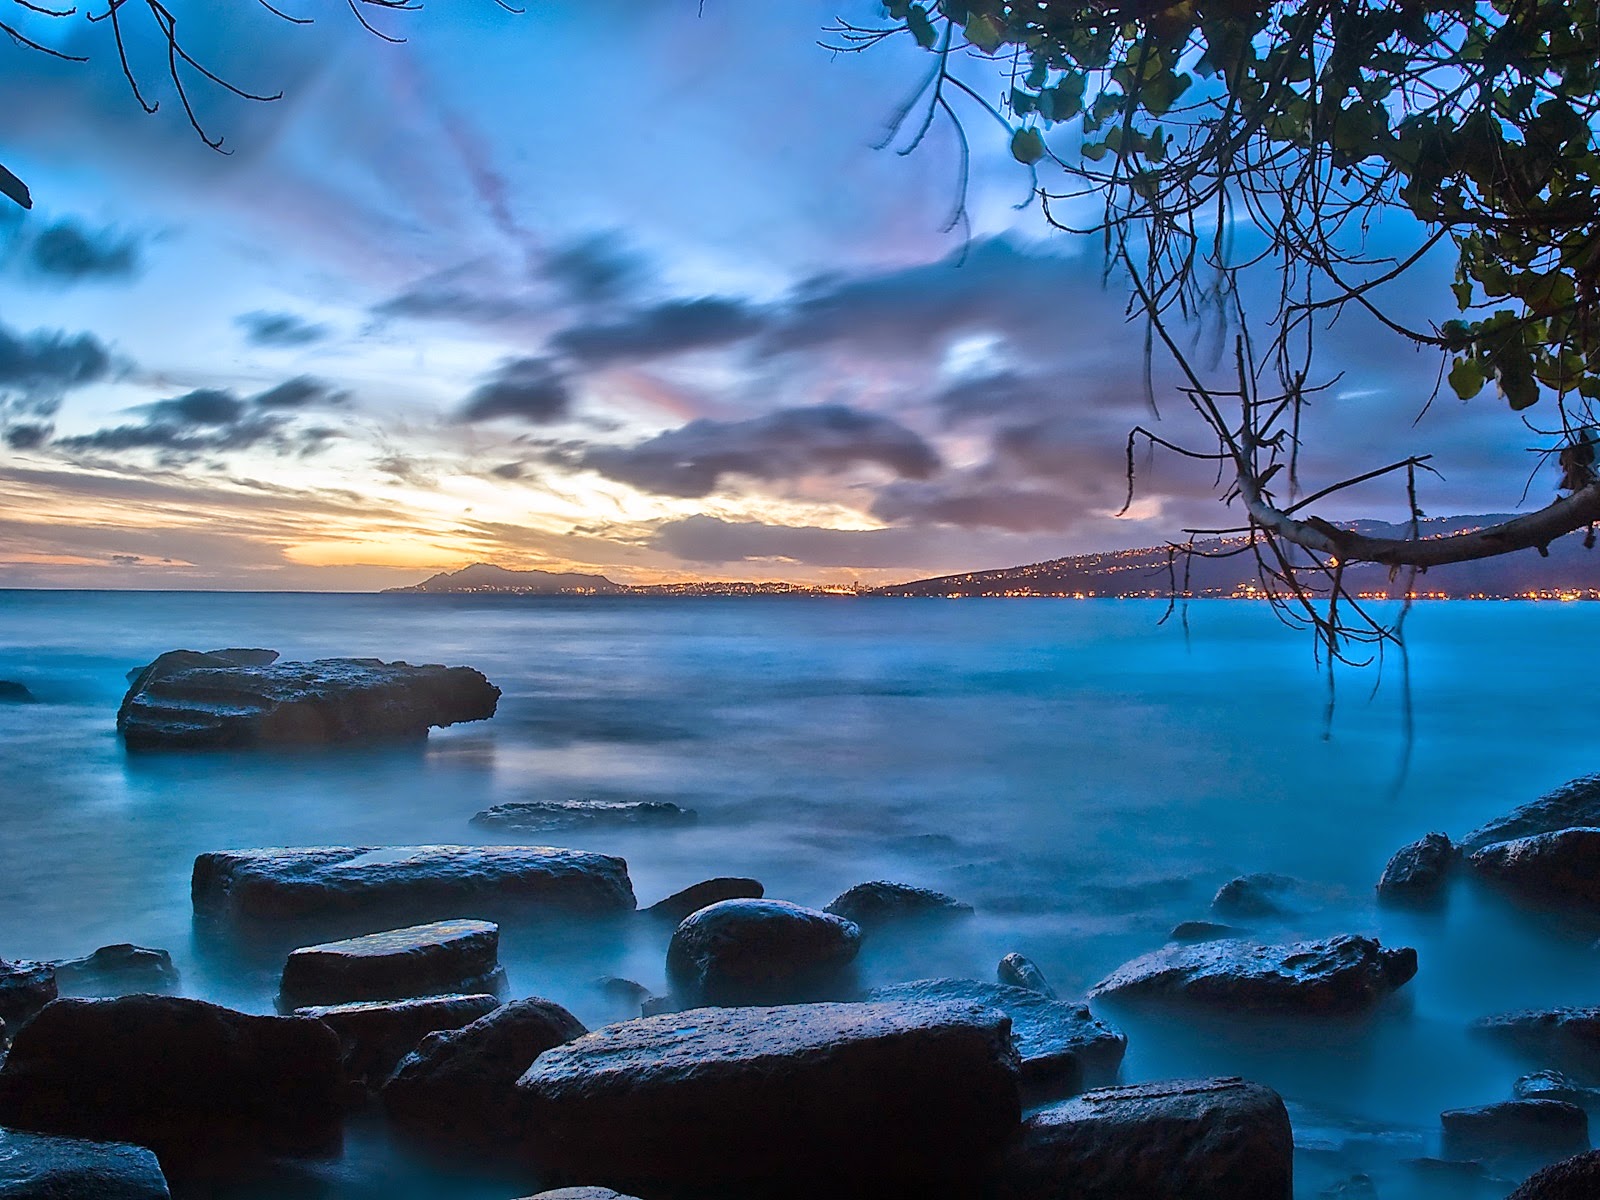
x=1081, y=776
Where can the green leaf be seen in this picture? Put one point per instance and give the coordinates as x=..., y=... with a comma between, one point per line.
x=1463, y=292
x=1466, y=377
x=921, y=27
x=986, y=33
x=1027, y=146
x=1521, y=390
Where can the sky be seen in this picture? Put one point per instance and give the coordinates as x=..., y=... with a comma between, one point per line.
x=621, y=286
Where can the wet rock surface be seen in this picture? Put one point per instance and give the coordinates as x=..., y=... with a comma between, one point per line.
x=1553, y=1085
x=881, y=903
x=581, y=1193
x=423, y=882
x=117, y=970
x=25, y=988
x=189, y=700
x=1016, y=970
x=1211, y=1139
x=551, y=816
x=739, y=952
x=36, y=1166
x=1334, y=975
x=707, y=892
x=1516, y=1130
x=419, y=960
x=1567, y=1039
x=376, y=1035
x=1203, y=931
x=1264, y=894
x=1575, y=1178
x=457, y=1090
x=1573, y=804
x=1552, y=868
x=192, y=1081
x=1417, y=873
x=847, y=1098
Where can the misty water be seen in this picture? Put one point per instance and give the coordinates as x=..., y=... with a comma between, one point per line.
x=1082, y=776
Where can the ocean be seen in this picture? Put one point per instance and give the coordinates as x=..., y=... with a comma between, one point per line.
x=1082, y=775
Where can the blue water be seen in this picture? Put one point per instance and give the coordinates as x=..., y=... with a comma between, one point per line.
x=1082, y=776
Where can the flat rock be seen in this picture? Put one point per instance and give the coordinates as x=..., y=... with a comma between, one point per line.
x=1571, y=805
x=117, y=970
x=883, y=903
x=1016, y=970
x=376, y=1035
x=704, y=894
x=190, y=1080
x=1560, y=868
x=36, y=1166
x=188, y=700
x=1516, y=1130
x=1063, y=1049
x=1333, y=975
x=1264, y=894
x=12, y=692
x=1567, y=1039
x=760, y=952
x=842, y=1098
x=1203, y=931
x=1575, y=1178
x=421, y=881
x=548, y=816
x=1553, y=1085
x=25, y=988
x=1417, y=873
x=1209, y=1139
x=457, y=1090
x=419, y=960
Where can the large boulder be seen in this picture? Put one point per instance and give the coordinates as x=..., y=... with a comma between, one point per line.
x=843, y=1099
x=707, y=892
x=192, y=1081
x=1017, y=970
x=1560, y=867
x=760, y=952
x=1522, y=1131
x=1576, y=1178
x=457, y=1090
x=424, y=882
x=1062, y=1048
x=580, y=1193
x=1572, y=804
x=420, y=960
x=1264, y=894
x=117, y=970
x=376, y=1035
x=36, y=1166
x=1417, y=873
x=25, y=988
x=189, y=700
x=880, y=902
x=1208, y=1139
x=549, y=816
x=1338, y=974
x=1566, y=1039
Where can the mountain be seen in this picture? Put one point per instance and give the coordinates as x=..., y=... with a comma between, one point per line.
x=486, y=577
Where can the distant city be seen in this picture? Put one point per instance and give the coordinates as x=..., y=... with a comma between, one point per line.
x=1570, y=571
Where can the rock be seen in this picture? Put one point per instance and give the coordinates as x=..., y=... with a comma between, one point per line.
x=25, y=988
x=187, y=700
x=840, y=1098
x=1338, y=974
x=1357, y=1187
x=581, y=1193
x=420, y=960
x=1202, y=931
x=760, y=952
x=425, y=882
x=117, y=970
x=1062, y=1048
x=1560, y=867
x=1553, y=1085
x=1416, y=874
x=544, y=816
x=458, y=1089
x=192, y=1081
x=624, y=995
x=870, y=905
x=35, y=1166
x=1565, y=1038
x=1209, y=1139
x=1263, y=894
x=1015, y=970
x=12, y=692
x=656, y=1006
x=1524, y=1130
x=1571, y=805
x=1576, y=1178
x=376, y=1035
x=704, y=894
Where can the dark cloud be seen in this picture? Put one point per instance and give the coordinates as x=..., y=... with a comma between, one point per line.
x=660, y=331
x=179, y=442
x=28, y=436
x=280, y=329
x=300, y=392
x=510, y=470
x=596, y=268
x=828, y=438
x=999, y=394
x=126, y=560
x=203, y=406
x=50, y=362
x=981, y=506
x=71, y=253
x=529, y=389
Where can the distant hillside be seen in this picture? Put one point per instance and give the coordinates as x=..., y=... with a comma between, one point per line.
x=485, y=577
x=1569, y=570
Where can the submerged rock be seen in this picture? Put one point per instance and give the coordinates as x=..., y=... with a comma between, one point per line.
x=1209, y=1139
x=421, y=881
x=704, y=894
x=1564, y=1038
x=37, y=1166
x=1264, y=894
x=1575, y=1178
x=117, y=970
x=25, y=988
x=1062, y=1048
x=819, y=1099
x=1571, y=805
x=760, y=952
x=882, y=903
x=1333, y=975
x=376, y=1035
x=188, y=700
x=546, y=816
x=457, y=1090
x=193, y=1081
x=1516, y=1130
x=1203, y=931
x=1016, y=970
x=12, y=692
x=1559, y=867
x=1417, y=873
x=420, y=960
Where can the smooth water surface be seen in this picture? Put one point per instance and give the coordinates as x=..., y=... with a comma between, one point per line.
x=1080, y=774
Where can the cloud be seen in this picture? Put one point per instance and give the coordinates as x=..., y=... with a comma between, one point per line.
x=69, y=252
x=299, y=392
x=981, y=506
x=28, y=436
x=49, y=362
x=203, y=406
x=280, y=329
x=692, y=460
x=661, y=330
x=594, y=268
x=529, y=389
